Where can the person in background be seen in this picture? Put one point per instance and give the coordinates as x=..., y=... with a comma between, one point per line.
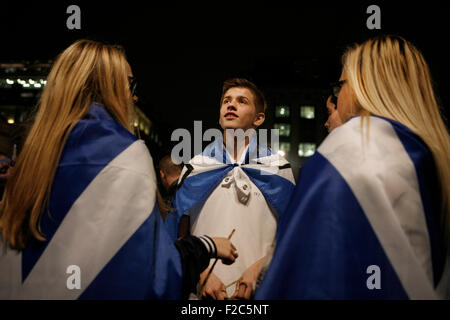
x=6, y=152
x=169, y=173
x=334, y=119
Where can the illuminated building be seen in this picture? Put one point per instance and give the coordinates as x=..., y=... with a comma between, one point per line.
x=21, y=85
x=299, y=114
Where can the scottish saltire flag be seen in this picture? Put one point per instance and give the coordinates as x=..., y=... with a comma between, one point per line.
x=270, y=172
x=171, y=224
x=102, y=220
x=362, y=222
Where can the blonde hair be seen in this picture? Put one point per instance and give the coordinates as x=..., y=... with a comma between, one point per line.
x=389, y=77
x=85, y=72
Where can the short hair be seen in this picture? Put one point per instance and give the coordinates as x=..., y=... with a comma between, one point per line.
x=260, y=100
x=169, y=167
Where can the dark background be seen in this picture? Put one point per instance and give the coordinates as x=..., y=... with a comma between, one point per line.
x=182, y=53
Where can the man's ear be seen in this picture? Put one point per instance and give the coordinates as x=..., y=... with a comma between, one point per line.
x=259, y=119
x=161, y=173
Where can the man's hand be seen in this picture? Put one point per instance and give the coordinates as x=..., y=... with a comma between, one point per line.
x=226, y=251
x=244, y=287
x=214, y=288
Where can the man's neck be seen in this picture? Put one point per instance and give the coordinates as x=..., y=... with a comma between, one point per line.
x=235, y=147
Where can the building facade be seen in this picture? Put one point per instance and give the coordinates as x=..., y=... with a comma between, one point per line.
x=299, y=113
x=21, y=85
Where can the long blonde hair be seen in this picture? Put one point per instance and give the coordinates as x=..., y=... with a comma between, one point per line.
x=85, y=72
x=389, y=77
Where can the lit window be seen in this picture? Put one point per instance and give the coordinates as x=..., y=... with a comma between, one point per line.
x=285, y=129
x=282, y=112
x=22, y=117
x=306, y=149
x=284, y=148
x=307, y=112
x=26, y=95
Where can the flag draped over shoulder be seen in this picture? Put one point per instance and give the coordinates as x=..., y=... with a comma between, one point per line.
x=102, y=217
x=362, y=222
x=270, y=172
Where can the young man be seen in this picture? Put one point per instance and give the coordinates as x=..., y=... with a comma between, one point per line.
x=241, y=185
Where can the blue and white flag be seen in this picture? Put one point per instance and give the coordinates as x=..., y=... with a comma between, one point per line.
x=104, y=234
x=362, y=222
x=270, y=172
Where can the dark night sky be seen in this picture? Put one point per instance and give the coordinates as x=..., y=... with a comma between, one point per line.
x=182, y=54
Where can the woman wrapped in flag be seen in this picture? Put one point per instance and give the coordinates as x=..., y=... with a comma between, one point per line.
x=369, y=218
x=80, y=218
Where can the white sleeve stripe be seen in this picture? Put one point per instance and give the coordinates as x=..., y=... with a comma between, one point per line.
x=209, y=244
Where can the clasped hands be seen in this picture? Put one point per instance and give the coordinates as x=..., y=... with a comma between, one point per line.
x=215, y=289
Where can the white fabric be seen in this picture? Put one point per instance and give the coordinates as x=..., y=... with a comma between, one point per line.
x=266, y=164
x=236, y=203
x=271, y=165
x=383, y=178
x=102, y=219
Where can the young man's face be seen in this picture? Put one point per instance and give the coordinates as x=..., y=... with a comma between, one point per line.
x=238, y=110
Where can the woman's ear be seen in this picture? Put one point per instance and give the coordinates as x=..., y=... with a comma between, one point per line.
x=259, y=119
